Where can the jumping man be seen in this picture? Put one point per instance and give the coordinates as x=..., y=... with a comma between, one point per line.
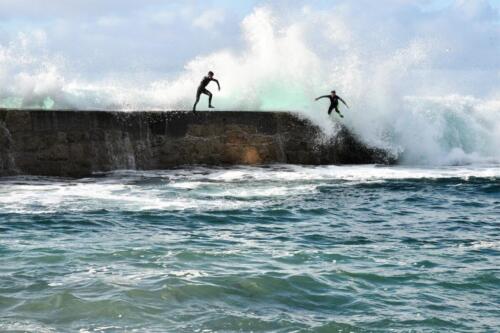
x=202, y=89
x=334, y=102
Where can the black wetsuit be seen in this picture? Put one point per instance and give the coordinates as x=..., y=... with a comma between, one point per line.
x=334, y=103
x=202, y=89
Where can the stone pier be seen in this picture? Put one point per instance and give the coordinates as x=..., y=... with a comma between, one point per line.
x=79, y=143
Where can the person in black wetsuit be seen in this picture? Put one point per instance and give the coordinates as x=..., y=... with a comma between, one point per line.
x=202, y=89
x=334, y=102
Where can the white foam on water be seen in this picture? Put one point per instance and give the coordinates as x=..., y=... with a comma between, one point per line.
x=106, y=196
x=480, y=245
x=261, y=191
x=294, y=173
x=186, y=185
x=25, y=326
x=208, y=189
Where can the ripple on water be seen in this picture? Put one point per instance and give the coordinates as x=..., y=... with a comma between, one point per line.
x=279, y=248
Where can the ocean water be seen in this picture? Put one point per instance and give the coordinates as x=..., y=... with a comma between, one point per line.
x=253, y=249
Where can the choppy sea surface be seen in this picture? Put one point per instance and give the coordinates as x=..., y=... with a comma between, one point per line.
x=253, y=249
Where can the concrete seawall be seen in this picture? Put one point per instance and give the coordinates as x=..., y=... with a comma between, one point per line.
x=79, y=143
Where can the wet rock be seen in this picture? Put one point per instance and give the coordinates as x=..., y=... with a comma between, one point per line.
x=7, y=163
x=78, y=143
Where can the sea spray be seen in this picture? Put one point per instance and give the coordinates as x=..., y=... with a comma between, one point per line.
x=424, y=86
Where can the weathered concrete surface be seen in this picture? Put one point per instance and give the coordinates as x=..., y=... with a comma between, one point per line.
x=78, y=143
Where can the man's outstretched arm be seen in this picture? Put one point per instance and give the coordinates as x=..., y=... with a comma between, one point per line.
x=343, y=102
x=216, y=81
x=320, y=97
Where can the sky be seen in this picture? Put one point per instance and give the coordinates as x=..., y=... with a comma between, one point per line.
x=153, y=35
x=137, y=31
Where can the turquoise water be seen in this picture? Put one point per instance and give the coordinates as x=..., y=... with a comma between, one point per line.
x=276, y=249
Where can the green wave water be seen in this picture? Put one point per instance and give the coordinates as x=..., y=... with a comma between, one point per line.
x=267, y=249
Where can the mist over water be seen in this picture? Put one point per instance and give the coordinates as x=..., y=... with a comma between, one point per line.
x=423, y=83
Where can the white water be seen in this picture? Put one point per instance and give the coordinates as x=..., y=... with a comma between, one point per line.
x=425, y=85
x=206, y=189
